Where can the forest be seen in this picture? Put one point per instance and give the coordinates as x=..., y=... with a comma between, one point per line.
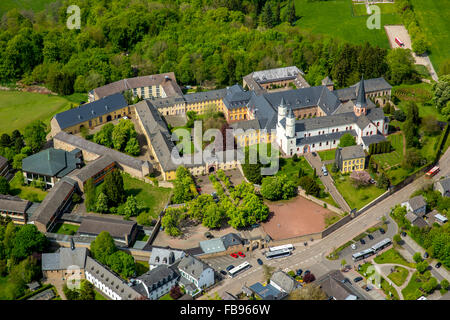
x=211, y=43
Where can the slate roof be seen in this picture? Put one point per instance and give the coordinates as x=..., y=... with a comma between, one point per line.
x=90, y=111
x=192, y=266
x=370, y=85
x=93, y=167
x=368, y=140
x=54, y=199
x=3, y=161
x=205, y=96
x=361, y=99
x=212, y=246
x=333, y=285
x=167, y=80
x=111, y=280
x=417, y=202
x=13, y=204
x=92, y=225
x=276, y=74
x=165, y=256
x=445, y=184
x=323, y=137
x=51, y=162
x=284, y=281
x=325, y=122
x=156, y=278
x=352, y=152
x=231, y=239
x=64, y=258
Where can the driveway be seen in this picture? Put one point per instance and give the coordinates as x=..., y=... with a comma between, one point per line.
x=327, y=181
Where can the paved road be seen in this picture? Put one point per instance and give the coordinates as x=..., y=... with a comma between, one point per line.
x=314, y=254
x=327, y=181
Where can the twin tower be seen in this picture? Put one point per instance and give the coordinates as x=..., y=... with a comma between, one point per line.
x=283, y=113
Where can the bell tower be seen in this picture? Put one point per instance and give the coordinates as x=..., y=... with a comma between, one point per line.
x=360, y=107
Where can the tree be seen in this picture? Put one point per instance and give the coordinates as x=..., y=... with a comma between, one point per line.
x=412, y=159
x=430, y=285
x=309, y=277
x=397, y=238
x=383, y=181
x=175, y=292
x=28, y=239
x=5, y=140
x=34, y=135
x=122, y=263
x=343, y=262
x=399, y=115
x=102, y=247
x=132, y=147
x=347, y=140
x=89, y=195
x=113, y=188
x=401, y=65
x=360, y=178
x=267, y=18
x=444, y=284
x=87, y=291
x=104, y=136
x=309, y=185
x=102, y=203
x=417, y=257
x=170, y=221
x=252, y=172
x=292, y=17
x=308, y=292
x=213, y=216
x=132, y=207
x=422, y=266
x=412, y=113
x=277, y=188
x=4, y=185
x=441, y=92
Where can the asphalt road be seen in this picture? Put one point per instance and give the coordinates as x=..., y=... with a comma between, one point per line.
x=313, y=255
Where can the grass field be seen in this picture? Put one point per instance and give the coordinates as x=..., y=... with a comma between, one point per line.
x=392, y=256
x=434, y=19
x=65, y=228
x=26, y=192
x=399, y=275
x=355, y=197
x=337, y=18
x=394, y=158
x=327, y=154
x=35, y=5
x=412, y=290
x=18, y=109
x=387, y=289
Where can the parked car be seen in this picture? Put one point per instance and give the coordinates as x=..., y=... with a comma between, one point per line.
x=346, y=280
x=358, y=279
x=259, y=261
x=307, y=271
x=241, y=254
x=370, y=236
x=325, y=171
x=353, y=246
x=438, y=265
x=223, y=272
x=229, y=267
x=299, y=272
x=382, y=231
x=314, y=154
x=403, y=234
x=368, y=288
x=234, y=255
x=426, y=255
x=305, y=243
x=362, y=241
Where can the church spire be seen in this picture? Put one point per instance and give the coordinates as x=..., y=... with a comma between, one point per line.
x=361, y=101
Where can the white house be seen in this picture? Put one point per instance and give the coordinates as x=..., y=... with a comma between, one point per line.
x=195, y=275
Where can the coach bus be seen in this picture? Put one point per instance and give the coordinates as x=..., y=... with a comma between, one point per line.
x=278, y=254
x=362, y=255
x=240, y=268
x=381, y=245
x=433, y=171
x=285, y=246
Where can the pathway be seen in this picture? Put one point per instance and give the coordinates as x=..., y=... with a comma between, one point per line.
x=382, y=271
x=327, y=181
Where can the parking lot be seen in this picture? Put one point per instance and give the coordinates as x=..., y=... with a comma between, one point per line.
x=222, y=262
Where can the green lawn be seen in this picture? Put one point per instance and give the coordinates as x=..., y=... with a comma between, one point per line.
x=65, y=228
x=153, y=198
x=392, y=256
x=336, y=18
x=3, y=288
x=35, y=5
x=166, y=297
x=141, y=267
x=412, y=290
x=387, y=289
x=99, y=296
x=355, y=197
x=18, y=109
x=434, y=19
x=399, y=275
x=394, y=158
x=26, y=192
x=327, y=154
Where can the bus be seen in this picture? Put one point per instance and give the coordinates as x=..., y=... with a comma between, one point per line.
x=240, y=268
x=381, y=245
x=433, y=171
x=399, y=42
x=285, y=246
x=362, y=254
x=278, y=254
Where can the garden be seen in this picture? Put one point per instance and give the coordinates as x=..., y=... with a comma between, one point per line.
x=65, y=228
x=367, y=271
x=392, y=256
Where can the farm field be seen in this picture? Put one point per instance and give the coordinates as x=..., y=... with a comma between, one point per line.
x=338, y=19
x=18, y=109
x=434, y=19
x=35, y=5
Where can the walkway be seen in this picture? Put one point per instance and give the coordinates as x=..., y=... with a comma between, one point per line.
x=381, y=268
x=327, y=181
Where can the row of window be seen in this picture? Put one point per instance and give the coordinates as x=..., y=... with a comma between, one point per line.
x=349, y=162
x=347, y=169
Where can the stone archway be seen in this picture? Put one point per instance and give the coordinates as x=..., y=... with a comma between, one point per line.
x=211, y=169
x=108, y=118
x=306, y=149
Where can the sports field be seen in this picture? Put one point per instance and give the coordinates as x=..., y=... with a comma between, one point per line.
x=337, y=18
x=18, y=109
x=434, y=19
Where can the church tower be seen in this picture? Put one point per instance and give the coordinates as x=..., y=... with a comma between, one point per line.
x=360, y=107
x=290, y=124
x=282, y=110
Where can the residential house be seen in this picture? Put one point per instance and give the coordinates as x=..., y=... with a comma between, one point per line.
x=283, y=282
x=416, y=205
x=157, y=282
x=443, y=186
x=349, y=159
x=416, y=220
x=51, y=165
x=195, y=275
x=336, y=287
